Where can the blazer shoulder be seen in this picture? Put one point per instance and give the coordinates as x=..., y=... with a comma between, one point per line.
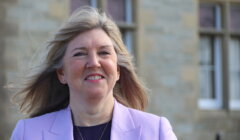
x=18, y=131
x=42, y=120
x=33, y=126
x=149, y=122
x=157, y=126
x=143, y=115
x=166, y=132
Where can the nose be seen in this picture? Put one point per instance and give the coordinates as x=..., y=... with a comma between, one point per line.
x=93, y=61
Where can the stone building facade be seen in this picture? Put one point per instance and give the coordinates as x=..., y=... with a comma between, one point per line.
x=166, y=51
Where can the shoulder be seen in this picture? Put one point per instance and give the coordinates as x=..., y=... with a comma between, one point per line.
x=40, y=121
x=136, y=115
x=166, y=131
x=155, y=125
x=148, y=120
x=33, y=126
x=140, y=116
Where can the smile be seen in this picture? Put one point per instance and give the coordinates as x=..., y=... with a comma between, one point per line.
x=97, y=77
x=94, y=77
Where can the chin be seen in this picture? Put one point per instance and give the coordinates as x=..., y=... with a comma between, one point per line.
x=95, y=96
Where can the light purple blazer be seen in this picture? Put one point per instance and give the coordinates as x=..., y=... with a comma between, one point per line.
x=127, y=124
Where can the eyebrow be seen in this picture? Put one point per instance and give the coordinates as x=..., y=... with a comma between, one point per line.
x=105, y=46
x=85, y=48
x=79, y=48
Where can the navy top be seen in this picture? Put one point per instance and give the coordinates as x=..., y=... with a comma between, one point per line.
x=93, y=132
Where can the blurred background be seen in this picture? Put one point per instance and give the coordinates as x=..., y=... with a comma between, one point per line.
x=186, y=51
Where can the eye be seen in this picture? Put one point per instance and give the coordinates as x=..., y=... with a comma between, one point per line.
x=80, y=54
x=104, y=53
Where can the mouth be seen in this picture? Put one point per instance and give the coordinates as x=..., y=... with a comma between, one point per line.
x=94, y=77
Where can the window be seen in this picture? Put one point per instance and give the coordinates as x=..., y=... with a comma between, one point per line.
x=74, y=4
x=210, y=56
x=219, y=47
x=210, y=72
x=234, y=57
x=234, y=73
x=121, y=11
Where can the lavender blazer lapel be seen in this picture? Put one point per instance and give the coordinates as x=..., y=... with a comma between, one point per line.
x=123, y=126
x=61, y=128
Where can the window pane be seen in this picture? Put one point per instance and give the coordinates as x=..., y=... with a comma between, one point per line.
x=129, y=9
x=77, y=3
x=128, y=40
x=234, y=69
x=210, y=16
x=94, y=3
x=207, y=67
x=116, y=9
x=127, y=36
x=235, y=17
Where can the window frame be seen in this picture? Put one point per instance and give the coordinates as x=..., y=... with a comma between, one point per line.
x=215, y=103
x=234, y=104
x=223, y=102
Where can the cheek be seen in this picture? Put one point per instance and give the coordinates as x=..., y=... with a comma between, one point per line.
x=73, y=68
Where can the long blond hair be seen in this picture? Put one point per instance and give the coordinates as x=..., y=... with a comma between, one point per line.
x=44, y=93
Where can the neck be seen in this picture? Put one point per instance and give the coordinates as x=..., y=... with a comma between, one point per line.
x=86, y=113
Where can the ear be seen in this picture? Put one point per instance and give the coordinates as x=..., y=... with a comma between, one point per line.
x=60, y=75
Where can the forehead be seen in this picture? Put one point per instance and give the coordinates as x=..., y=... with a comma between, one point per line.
x=92, y=38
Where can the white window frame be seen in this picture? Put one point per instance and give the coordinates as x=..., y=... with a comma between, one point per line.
x=234, y=104
x=215, y=103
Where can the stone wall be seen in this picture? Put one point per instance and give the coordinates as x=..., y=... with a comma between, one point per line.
x=6, y=30
x=169, y=60
x=25, y=27
x=169, y=64
x=167, y=56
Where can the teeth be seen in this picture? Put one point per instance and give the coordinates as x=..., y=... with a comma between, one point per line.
x=94, y=77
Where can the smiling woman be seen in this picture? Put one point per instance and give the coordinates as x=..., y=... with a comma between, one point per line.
x=90, y=70
x=87, y=88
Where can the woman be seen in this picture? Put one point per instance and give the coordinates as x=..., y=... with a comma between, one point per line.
x=88, y=88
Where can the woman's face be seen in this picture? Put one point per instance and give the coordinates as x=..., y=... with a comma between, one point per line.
x=90, y=66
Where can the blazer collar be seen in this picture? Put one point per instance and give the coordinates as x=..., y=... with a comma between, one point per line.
x=62, y=128
x=123, y=125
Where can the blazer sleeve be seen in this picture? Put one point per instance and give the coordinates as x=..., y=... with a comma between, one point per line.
x=18, y=131
x=166, y=132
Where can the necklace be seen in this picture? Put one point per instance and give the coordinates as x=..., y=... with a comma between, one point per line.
x=79, y=132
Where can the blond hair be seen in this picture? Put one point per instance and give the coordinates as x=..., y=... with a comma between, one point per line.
x=44, y=93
